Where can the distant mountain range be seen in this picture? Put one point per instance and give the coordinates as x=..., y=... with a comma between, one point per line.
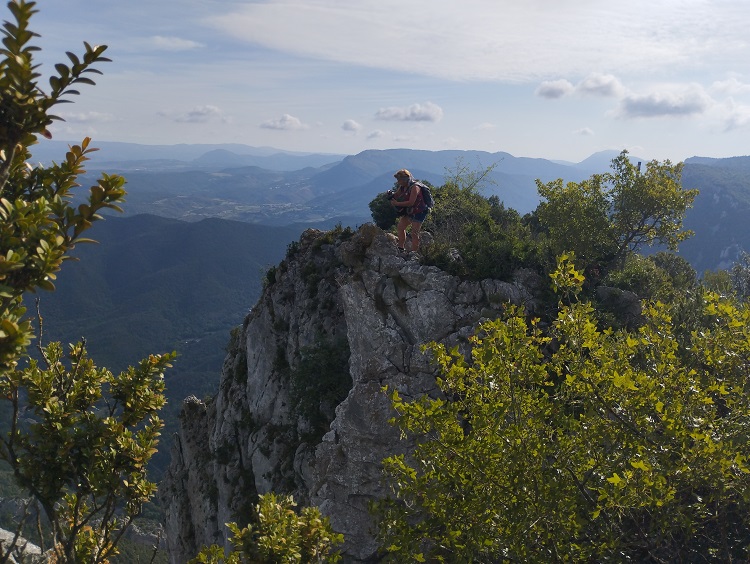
x=259, y=186
x=268, y=186
x=117, y=156
x=719, y=216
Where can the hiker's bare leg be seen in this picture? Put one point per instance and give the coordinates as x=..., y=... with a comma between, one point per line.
x=403, y=222
x=415, y=227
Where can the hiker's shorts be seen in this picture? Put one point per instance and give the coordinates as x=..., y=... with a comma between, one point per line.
x=420, y=217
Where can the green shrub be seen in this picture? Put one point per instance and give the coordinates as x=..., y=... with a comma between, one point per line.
x=320, y=382
x=383, y=213
x=642, y=277
x=719, y=282
x=679, y=270
x=338, y=233
x=610, y=446
x=279, y=535
x=491, y=239
x=270, y=277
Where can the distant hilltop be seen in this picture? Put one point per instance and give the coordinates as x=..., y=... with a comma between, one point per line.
x=134, y=155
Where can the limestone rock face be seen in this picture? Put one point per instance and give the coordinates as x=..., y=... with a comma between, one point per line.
x=336, y=289
x=24, y=552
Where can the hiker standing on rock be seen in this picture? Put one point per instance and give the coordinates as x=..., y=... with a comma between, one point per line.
x=409, y=200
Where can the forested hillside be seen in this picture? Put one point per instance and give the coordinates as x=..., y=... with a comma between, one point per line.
x=154, y=285
x=719, y=215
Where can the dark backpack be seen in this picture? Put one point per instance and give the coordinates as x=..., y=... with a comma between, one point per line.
x=429, y=201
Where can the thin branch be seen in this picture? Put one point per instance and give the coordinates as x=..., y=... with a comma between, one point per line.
x=156, y=548
x=10, y=153
x=40, y=331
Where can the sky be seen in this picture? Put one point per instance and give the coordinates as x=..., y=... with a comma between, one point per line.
x=554, y=79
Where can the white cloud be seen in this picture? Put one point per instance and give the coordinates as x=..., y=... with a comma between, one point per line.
x=376, y=134
x=730, y=86
x=87, y=117
x=351, y=125
x=285, y=123
x=598, y=84
x=498, y=41
x=594, y=84
x=173, y=43
x=486, y=126
x=691, y=101
x=733, y=115
x=199, y=114
x=552, y=89
x=738, y=119
x=404, y=138
x=416, y=112
x=451, y=142
x=584, y=131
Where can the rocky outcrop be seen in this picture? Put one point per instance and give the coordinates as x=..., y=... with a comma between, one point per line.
x=334, y=291
x=17, y=550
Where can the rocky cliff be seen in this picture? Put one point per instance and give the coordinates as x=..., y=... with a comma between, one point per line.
x=300, y=407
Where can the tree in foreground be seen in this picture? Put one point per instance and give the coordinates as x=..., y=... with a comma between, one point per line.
x=280, y=536
x=77, y=438
x=580, y=444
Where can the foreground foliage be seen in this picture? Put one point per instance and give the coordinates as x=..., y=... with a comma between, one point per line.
x=576, y=443
x=83, y=444
x=281, y=535
x=78, y=438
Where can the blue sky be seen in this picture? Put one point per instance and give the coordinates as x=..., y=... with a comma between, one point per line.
x=557, y=79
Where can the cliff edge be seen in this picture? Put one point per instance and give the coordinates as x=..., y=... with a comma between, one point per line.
x=300, y=407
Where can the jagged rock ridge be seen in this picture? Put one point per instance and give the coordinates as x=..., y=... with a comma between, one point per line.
x=253, y=436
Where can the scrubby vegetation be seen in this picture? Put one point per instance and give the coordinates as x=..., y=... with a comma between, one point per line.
x=581, y=436
x=279, y=533
x=573, y=443
x=605, y=221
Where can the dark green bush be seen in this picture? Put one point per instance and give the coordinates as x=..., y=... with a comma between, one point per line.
x=338, y=233
x=383, y=213
x=492, y=240
x=640, y=276
x=663, y=276
x=320, y=382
